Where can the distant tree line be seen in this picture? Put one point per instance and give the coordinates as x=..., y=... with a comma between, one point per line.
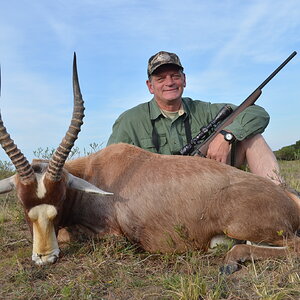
x=291, y=152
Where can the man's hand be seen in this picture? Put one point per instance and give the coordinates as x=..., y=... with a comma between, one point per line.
x=218, y=149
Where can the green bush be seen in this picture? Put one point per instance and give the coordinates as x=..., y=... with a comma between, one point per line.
x=46, y=153
x=291, y=152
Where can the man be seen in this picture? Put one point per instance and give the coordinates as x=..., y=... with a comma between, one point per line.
x=166, y=123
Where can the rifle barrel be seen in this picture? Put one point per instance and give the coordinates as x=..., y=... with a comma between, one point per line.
x=202, y=147
x=277, y=70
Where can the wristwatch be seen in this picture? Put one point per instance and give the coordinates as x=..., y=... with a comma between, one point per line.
x=228, y=136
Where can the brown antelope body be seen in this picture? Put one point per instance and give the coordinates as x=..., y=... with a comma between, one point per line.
x=163, y=203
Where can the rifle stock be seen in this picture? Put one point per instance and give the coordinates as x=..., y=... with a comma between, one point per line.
x=202, y=147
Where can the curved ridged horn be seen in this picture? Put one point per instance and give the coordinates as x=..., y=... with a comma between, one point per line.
x=60, y=155
x=20, y=162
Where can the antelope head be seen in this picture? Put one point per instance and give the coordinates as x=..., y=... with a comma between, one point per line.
x=41, y=187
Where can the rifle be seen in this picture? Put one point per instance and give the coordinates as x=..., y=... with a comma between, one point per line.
x=200, y=143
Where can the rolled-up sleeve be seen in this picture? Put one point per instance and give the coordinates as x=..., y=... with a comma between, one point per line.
x=253, y=120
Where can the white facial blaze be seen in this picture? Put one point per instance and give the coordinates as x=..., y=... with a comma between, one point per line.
x=41, y=189
x=45, y=247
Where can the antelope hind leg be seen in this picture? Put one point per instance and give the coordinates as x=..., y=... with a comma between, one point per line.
x=242, y=252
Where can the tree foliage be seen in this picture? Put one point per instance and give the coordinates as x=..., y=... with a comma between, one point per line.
x=291, y=152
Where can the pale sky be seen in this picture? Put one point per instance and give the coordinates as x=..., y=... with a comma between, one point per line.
x=227, y=48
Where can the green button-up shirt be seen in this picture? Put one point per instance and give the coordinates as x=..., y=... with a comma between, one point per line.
x=134, y=126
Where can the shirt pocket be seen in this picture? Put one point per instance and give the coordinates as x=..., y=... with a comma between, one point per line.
x=147, y=144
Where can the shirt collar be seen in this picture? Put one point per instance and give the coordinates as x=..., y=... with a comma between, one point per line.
x=155, y=111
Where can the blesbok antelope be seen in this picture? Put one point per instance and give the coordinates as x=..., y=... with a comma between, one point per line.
x=162, y=203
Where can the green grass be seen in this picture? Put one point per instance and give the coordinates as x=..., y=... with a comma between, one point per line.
x=113, y=268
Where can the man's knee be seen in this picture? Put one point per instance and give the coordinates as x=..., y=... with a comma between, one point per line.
x=253, y=141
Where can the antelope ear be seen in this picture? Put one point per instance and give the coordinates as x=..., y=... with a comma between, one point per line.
x=80, y=184
x=7, y=184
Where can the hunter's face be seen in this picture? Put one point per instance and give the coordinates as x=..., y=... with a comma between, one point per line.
x=167, y=84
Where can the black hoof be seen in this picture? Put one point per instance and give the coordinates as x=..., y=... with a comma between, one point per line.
x=229, y=269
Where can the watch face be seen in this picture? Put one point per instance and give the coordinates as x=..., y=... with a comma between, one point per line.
x=228, y=136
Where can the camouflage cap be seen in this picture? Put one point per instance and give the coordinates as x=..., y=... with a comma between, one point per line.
x=162, y=58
